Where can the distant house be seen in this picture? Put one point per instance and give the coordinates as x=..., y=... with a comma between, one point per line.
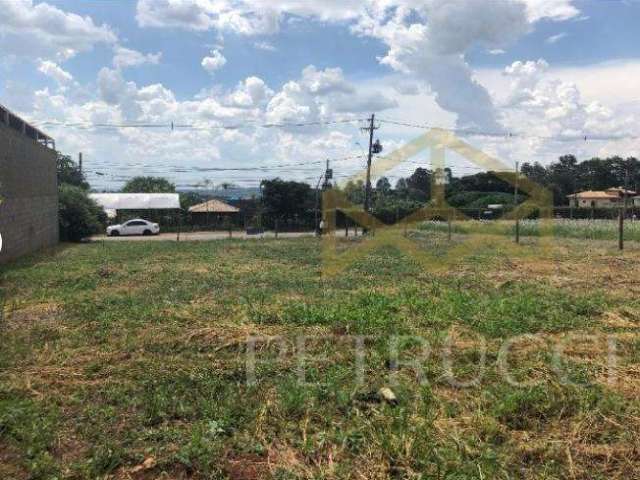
x=609, y=198
x=636, y=201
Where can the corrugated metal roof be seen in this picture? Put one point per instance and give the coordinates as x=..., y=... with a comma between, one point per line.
x=136, y=201
x=213, y=206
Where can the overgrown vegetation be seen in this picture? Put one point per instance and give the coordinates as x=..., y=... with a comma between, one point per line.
x=128, y=359
x=78, y=215
x=559, y=228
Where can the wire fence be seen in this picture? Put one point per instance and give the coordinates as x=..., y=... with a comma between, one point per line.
x=615, y=224
x=609, y=224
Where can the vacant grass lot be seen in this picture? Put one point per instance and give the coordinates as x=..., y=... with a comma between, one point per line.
x=584, y=229
x=129, y=360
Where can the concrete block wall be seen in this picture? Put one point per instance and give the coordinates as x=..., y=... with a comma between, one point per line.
x=28, y=194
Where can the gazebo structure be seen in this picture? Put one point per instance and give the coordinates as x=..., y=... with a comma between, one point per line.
x=203, y=213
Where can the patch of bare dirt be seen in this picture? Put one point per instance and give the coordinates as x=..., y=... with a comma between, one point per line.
x=23, y=317
x=247, y=467
x=583, y=269
x=9, y=463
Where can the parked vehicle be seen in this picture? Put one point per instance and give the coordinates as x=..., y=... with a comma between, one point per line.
x=136, y=226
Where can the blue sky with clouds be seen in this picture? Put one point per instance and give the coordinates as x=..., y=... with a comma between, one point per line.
x=546, y=71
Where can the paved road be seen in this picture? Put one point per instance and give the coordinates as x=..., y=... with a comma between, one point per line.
x=202, y=236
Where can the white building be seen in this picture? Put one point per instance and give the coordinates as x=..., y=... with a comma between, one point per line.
x=609, y=198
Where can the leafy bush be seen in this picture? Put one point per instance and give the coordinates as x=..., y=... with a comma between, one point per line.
x=390, y=210
x=78, y=215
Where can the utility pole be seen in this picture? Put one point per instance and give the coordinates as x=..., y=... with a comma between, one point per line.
x=326, y=169
x=515, y=203
x=328, y=175
x=80, y=162
x=367, y=192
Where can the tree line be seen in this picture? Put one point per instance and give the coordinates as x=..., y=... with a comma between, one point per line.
x=567, y=175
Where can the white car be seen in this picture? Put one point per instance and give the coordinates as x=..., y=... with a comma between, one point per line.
x=134, y=227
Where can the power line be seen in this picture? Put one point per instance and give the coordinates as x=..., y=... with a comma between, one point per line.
x=257, y=169
x=460, y=131
x=271, y=167
x=196, y=127
x=480, y=133
x=195, y=169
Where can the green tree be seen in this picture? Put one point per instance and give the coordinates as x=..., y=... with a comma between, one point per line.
x=383, y=186
x=536, y=173
x=78, y=215
x=354, y=191
x=419, y=184
x=189, y=199
x=481, y=182
x=69, y=172
x=402, y=189
x=149, y=185
x=286, y=198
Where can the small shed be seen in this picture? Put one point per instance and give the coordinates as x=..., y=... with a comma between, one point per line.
x=113, y=202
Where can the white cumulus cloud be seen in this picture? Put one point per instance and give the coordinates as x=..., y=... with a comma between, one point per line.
x=322, y=82
x=223, y=15
x=215, y=61
x=51, y=69
x=555, y=38
x=42, y=30
x=126, y=57
x=265, y=46
x=426, y=39
x=250, y=93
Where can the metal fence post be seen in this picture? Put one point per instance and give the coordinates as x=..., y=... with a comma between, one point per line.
x=518, y=226
x=179, y=225
x=621, y=229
